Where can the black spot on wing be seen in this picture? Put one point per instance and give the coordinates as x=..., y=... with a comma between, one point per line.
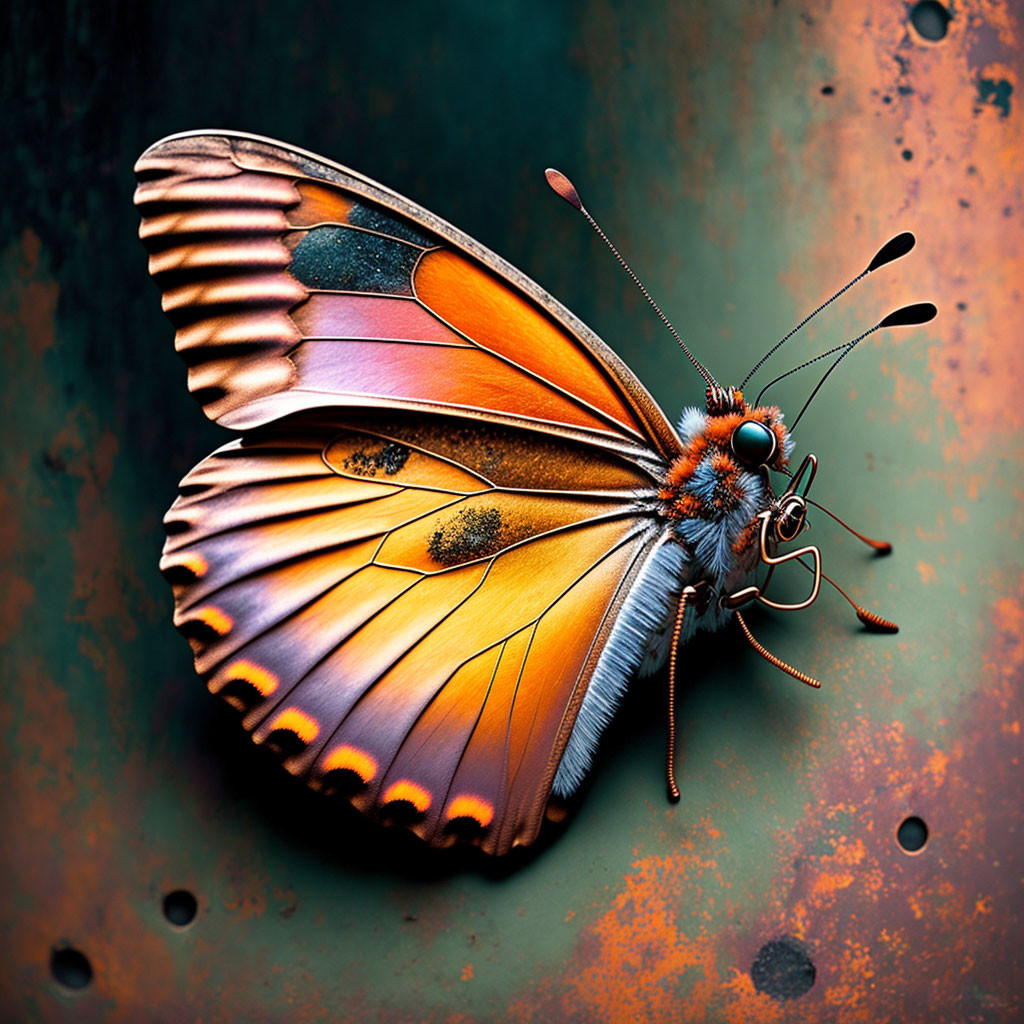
x=390, y=459
x=344, y=259
x=374, y=219
x=470, y=533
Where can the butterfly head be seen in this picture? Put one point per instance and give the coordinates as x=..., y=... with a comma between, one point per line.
x=718, y=487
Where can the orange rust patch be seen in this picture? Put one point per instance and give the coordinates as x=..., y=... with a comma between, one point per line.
x=36, y=296
x=408, y=791
x=304, y=726
x=937, y=765
x=928, y=573
x=353, y=759
x=467, y=806
x=961, y=187
x=264, y=681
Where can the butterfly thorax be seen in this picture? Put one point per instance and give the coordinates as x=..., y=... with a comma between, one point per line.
x=716, y=488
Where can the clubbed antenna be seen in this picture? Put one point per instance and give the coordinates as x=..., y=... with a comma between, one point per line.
x=917, y=313
x=896, y=247
x=909, y=316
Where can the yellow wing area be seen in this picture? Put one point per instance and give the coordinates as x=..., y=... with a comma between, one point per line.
x=409, y=608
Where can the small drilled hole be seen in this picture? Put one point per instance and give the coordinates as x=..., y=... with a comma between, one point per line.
x=930, y=19
x=912, y=834
x=180, y=907
x=71, y=967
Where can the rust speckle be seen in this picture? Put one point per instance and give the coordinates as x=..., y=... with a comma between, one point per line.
x=32, y=304
x=906, y=938
x=971, y=253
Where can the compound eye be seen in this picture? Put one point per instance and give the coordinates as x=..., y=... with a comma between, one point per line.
x=753, y=443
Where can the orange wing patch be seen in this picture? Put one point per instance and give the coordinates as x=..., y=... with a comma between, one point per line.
x=465, y=805
x=264, y=682
x=410, y=792
x=214, y=619
x=293, y=720
x=349, y=758
x=319, y=204
x=476, y=303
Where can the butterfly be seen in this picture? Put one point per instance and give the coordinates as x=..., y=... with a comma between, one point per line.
x=453, y=526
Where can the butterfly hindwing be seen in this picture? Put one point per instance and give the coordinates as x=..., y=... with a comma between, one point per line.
x=408, y=627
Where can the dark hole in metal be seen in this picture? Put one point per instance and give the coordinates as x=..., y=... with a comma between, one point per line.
x=930, y=19
x=180, y=907
x=783, y=969
x=71, y=967
x=827, y=90
x=907, y=154
x=912, y=834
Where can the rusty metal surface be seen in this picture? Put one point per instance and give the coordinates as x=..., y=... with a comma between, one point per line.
x=748, y=159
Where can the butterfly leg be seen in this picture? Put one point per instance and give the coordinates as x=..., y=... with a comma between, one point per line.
x=687, y=597
x=874, y=622
x=768, y=656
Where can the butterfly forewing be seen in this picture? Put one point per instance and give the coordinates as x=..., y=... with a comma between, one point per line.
x=406, y=571
x=295, y=283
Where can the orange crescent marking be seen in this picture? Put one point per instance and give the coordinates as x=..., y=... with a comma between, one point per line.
x=220, y=622
x=304, y=726
x=404, y=789
x=353, y=759
x=195, y=563
x=468, y=806
x=264, y=681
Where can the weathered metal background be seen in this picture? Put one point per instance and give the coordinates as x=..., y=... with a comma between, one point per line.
x=748, y=157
